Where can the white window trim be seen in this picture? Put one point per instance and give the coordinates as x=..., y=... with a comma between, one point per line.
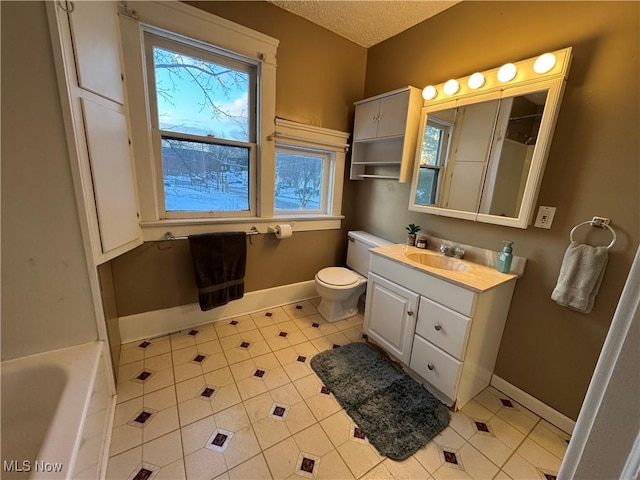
x=154, y=38
x=333, y=142
x=181, y=19
x=287, y=133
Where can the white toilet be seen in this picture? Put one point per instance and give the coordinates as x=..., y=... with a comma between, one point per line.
x=339, y=287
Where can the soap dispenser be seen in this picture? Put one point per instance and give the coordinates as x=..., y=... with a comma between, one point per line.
x=505, y=257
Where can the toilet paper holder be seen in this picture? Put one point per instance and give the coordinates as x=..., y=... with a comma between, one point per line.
x=281, y=230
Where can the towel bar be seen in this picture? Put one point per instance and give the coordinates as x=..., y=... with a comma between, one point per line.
x=599, y=222
x=171, y=236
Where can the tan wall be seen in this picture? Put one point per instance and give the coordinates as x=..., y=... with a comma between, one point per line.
x=46, y=299
x=160, y=274
x=319, y=76
x=593, y=168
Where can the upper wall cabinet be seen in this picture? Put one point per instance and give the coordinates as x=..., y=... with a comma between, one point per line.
x=86, y=47
x=483, y=146
x=384, y=135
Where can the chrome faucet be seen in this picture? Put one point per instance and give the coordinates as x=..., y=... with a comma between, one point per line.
x=451, y=250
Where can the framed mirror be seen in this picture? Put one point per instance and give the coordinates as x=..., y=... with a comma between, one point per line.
x=481, y=154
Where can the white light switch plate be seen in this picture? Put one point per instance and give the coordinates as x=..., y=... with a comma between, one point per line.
x=545, y=217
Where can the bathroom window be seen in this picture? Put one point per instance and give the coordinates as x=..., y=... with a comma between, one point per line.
x=432, y=160
x=301, y=179
x=203, y=121
x=201, y=94
x=309, y=168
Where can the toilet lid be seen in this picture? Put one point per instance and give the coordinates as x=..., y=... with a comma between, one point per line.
x=338, y=276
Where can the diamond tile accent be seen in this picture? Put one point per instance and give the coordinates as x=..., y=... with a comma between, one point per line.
x=233, y=322
x=199, y=358
x=143, y=474
x=219, y=440
x=268, y=314
x=283, y=334
x=357, y=433
x=335, y=345
x=259, y=373
x=482, y=427
x=299, y=307
x=301, y=358
x=507, y=403
x=548, y=476
x=193, y=333
x=450, y=457
x=325, y=390
x=144, y=344
x=245, y=344
x=315, y=325
x=143, y=417
x=279, y=411
x=208, y=392
x=144, y=376
x=307, y=463
x=365, y=336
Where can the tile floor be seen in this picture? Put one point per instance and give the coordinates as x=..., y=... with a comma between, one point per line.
x=237, y=399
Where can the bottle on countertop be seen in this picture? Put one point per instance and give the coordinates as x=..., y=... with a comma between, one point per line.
x=505, y=257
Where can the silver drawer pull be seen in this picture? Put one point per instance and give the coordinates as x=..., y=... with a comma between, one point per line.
x=430, y=366
x=410, y=313
x=437, y=327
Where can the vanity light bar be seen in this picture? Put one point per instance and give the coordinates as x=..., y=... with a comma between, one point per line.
x=545, y=66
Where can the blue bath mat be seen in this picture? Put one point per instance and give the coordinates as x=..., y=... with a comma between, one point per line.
x=396, y=414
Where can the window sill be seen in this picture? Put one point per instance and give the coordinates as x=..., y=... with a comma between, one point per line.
x=156, y=230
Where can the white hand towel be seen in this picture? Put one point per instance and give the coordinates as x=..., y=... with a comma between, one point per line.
x=580, y=276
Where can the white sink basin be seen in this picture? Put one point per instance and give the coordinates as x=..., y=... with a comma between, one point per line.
x=437, y=261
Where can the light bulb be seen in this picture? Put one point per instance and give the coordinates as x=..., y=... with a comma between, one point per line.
x=429, y=92
x=451, y=87
x=476, y=81
x=544, y=63
x=507, y=72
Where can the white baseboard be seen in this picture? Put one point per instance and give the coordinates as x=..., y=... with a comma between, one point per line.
x=541, y=409
x=160, y=322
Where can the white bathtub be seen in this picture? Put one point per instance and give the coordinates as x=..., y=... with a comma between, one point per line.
x=57, y=408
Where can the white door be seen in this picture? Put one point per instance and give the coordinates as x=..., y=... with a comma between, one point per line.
x=366, y=121
x=393, y=114
x=112, y=174
x=390, y=317
x=95, y=38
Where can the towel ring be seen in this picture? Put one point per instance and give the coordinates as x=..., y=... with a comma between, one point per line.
x=595, y=223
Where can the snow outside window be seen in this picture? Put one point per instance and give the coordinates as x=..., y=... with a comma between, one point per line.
x=203, y=118
x=302, y=179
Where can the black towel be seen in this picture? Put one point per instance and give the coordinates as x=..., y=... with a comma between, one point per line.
x=219, y=264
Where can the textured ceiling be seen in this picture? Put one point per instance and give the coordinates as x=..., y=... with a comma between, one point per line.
x=365, y=22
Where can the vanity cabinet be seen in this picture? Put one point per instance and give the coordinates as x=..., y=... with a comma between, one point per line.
x=446, y=334
x=385, y=127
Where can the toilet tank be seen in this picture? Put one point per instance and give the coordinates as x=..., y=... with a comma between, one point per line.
x=358, y=250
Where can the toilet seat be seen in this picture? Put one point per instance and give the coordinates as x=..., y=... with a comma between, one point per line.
x=338, y=276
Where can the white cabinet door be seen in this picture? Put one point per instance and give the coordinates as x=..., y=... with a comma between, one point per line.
x=112, y=174
x=366, y=121
x=95, y=38
x=393, y=115
x=390, y=316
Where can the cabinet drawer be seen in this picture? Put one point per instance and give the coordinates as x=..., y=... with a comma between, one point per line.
x=435, y=366
x=443, y=327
